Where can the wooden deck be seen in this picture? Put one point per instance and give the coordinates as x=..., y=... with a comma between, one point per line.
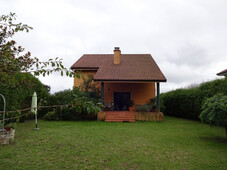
x=120, y=116
x=129, y=116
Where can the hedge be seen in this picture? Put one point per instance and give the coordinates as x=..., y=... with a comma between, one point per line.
x=187, y=103
x=18, y=90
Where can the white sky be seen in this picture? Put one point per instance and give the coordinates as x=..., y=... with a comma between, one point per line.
x=187, y=38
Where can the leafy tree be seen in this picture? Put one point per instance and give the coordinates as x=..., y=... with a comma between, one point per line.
x=16, y=65
x=90, y=87
x=88, y=83
x=15, y=59
x=214, y=111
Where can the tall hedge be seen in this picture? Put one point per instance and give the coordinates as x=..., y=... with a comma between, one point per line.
x=187, y=103
x=18, y=89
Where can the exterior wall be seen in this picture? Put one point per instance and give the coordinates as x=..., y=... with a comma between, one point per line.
x=141, y=93
x=85, y=73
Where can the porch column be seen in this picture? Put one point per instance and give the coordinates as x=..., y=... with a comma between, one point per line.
x=158, y=96
x=102, y=92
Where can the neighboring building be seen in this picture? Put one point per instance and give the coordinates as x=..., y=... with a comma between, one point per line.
x=223, y=73
x=122, y=77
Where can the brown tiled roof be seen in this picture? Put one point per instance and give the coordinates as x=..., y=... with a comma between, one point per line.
x=133, y=67
x=222, y=73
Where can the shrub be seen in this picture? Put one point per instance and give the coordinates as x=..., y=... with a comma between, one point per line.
x=11, y=125
x=51, y=116
x=130, y=103
x=214, y=110
x=82, y=105
x=145, y=108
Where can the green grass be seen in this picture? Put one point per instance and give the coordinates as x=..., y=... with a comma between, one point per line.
x=172, y=144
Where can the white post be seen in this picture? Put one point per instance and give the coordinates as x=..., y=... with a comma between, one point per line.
x=34, y=109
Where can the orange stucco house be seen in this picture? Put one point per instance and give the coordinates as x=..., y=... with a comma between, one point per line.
x=122, y=77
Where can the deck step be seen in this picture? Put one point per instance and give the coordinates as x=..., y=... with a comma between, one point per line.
x=120, y=116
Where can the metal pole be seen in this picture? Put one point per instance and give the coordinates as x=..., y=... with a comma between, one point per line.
x=158, y=96
x=36, y=122
x=102, y=92
x=3, y=117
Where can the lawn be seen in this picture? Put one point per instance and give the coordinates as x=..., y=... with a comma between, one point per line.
x=172, y=144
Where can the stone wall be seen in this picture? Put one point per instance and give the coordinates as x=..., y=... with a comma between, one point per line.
x=7, y=137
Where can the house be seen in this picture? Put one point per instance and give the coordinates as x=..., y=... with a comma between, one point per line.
x=122, y=77
x=223, y=73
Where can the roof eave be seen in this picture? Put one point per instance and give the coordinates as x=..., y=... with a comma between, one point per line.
x=84, y=68
x=222, y=73
x=119, y=80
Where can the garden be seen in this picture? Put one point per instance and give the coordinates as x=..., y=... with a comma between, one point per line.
x=174, y=143
x=70, y=137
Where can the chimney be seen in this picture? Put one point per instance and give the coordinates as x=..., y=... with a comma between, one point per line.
x=117, y=55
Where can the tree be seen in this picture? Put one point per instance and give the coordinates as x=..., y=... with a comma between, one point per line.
x=13, y=58
x=214, y=111
x=16, y=66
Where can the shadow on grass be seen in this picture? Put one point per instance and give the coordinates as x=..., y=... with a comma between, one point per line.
x=215, y=139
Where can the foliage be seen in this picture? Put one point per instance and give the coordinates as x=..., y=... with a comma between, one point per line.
x=15, y=59
x=186, y=103
x=214, y=110
x=148, y=107
x=130, y=103
x=153, y=100
x=88, y=83
x=16, y=65
x=84, y=102
x=101, y=145
x=145, y=108
x=153, y=104
x=19, y=96
x=11, y=125
x=51, y=116
x=82, y=105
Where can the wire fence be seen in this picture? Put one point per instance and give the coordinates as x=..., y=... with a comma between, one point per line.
x=29, y=109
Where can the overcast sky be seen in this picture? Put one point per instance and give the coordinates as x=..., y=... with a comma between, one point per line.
x=187, y=38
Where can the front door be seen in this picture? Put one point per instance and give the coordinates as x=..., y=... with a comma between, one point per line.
x=121, y=100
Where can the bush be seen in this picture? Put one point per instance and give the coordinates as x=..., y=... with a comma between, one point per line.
x=82, y=105
x=11, y=125
x=51, y=116
x=145, y=108
x=214, y=110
